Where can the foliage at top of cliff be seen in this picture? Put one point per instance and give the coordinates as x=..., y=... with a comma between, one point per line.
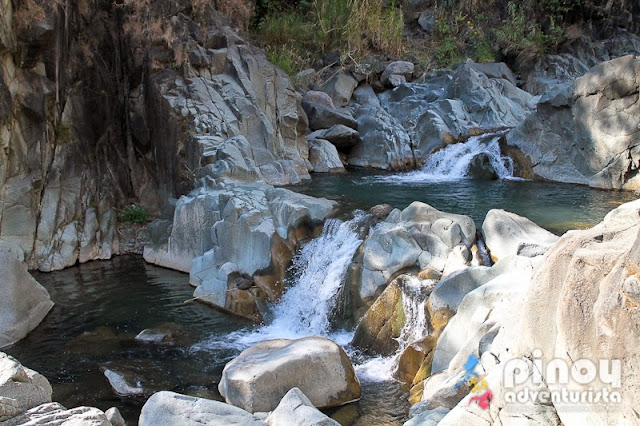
x=437, y=32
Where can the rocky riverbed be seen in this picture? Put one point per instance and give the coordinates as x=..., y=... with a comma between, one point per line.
x=462, y=308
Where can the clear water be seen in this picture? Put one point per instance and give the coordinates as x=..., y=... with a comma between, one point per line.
x=556, y=207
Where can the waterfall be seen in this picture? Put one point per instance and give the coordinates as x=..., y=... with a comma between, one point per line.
x=453, y=161
x=414, y=297
x=304, y=310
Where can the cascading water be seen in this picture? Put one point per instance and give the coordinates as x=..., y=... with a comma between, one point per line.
x=414, y=296
x=305, y=308
x=454, y=161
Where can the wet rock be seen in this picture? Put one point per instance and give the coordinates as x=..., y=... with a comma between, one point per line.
x=114, y=417
x=507, y=234
x=260, y=376
x=24, y=302
x=296, y=409
x=165, y=334
x=381, y=211
x=20, y=388
x=422, y=416
x=168, y=408
x=123, y=385
x=481, y=168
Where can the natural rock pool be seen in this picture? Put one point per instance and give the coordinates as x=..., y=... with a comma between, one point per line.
x=102, y=306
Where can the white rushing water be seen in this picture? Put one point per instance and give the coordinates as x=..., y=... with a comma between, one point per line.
x=452, y=162
x=305, y=308
x=414, y=298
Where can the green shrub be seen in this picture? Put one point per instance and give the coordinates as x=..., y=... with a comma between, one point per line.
x=134, y=214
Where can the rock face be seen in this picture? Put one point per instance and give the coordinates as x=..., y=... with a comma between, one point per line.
x=583, y=304
x=315, y=365
x=234, y=229
x=81, y=137
x=24, y=302
x=451, y=106
x=507, y=234
x=168, y=408
x=418, y=237
x=587, y=132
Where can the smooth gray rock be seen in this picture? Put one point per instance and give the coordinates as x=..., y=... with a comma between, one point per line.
x=324, y=157
x=24, y=302
x=296, y=409
x=317, y=97
x=507, y=234
x=260, y=376
x=340, y=88
x=115, y=417
x=55, y=414
x=600, y=117
x=341, y=136
x=20, y=388
x=397, y=73
x=321, y=117
x=169, y=408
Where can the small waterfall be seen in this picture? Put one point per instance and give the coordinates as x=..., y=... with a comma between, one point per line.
x=304, y=310
x=453, y=162
x=414, y=298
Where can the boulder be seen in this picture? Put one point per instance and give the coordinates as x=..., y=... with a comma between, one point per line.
x=169, y=408
x=397, y=73
x=418, y=237
x=165, y=334
x=124, y=384
x=322, y=117
x=600, y=116
x=261, y=376
x=324, y=157
x=317, y=97
x=507, y=234
x=343, y=137
x=296, y=409
x=20, y=388
x=420, y=416
x=24, y=302
x=340, y=87
x=480, y=168
x=115, y=417
x=55, y=414
x=583, y=305
x=247, y=230
x=384, y=143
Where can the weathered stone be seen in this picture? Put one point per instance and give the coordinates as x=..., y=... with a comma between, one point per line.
x=507, y=234
x=261, y=376
x=397, y=69
x=24, y=302
x=321, y=117
x=115, y=417
x=169, y=408
x=480, y=168
x=318, y=98
x=56, y=414
x=324, y=157
x=341, y=136
x=20, y=388
x=591, y=138
x=124, y=384
x=340, y=88
x=296, y=409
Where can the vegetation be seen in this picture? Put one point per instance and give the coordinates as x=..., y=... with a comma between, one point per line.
x=134, y=214
x=295, y=33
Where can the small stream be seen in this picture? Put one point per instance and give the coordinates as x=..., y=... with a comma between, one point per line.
x=101, y=306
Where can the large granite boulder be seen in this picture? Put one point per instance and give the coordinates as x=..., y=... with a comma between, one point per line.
x=583, y=305
x=507, y=234
x=261, y=376
x=55, y=414
x=383, y=144
x=169, y=408
x=587, y=133
x=418, y=237
x=24, y=302
x=235, y=230
x=324, y=157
